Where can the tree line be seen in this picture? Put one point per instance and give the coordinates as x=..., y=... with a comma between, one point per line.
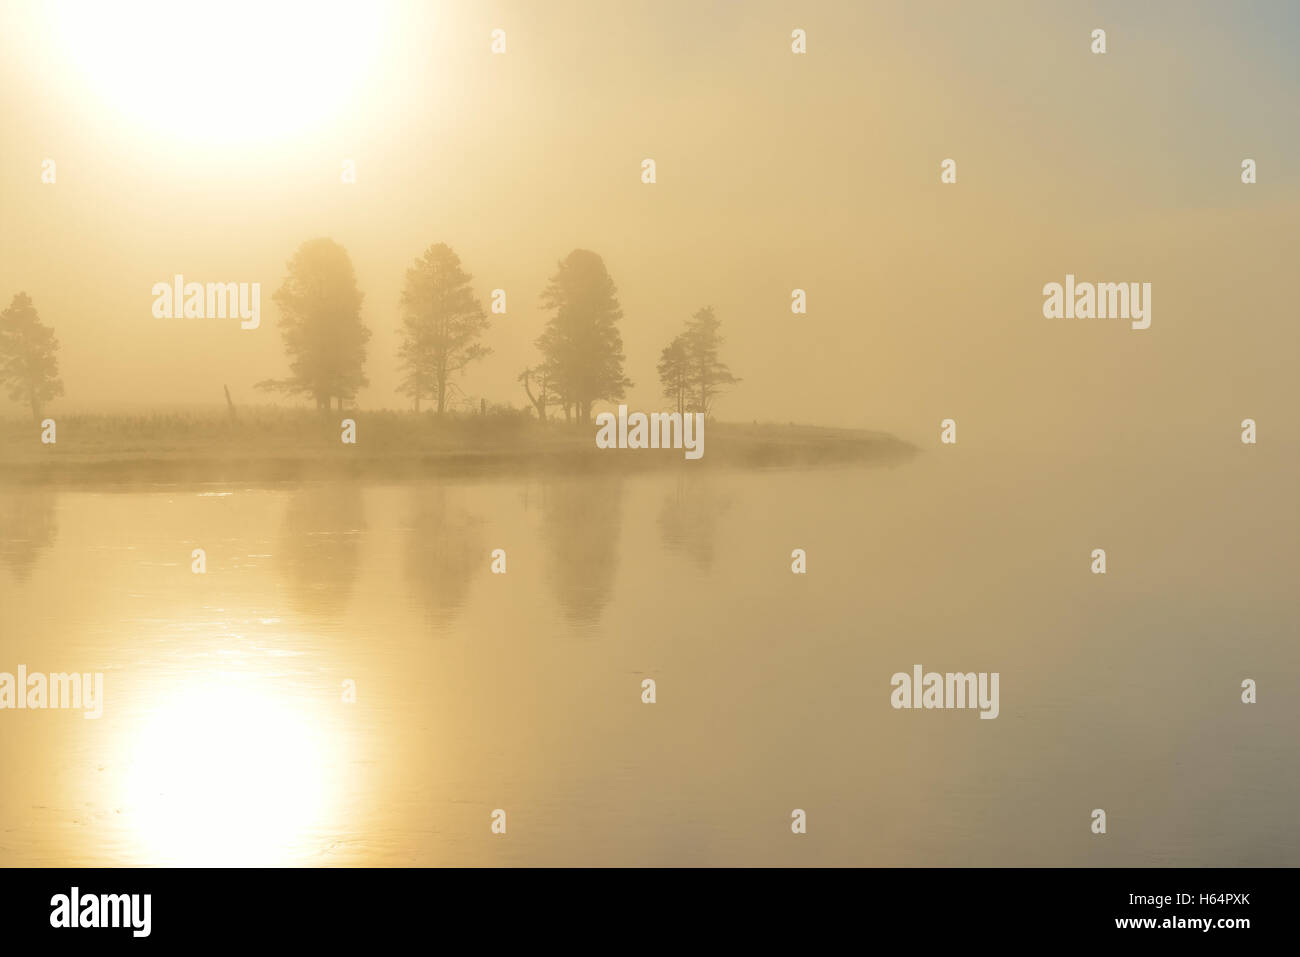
x=442, y=324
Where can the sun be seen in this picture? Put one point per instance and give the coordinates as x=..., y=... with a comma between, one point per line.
x=219, y=72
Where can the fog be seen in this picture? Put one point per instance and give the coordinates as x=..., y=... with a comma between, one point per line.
x=774, y=172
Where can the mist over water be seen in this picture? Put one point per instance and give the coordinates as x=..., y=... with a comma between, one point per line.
x=439, y=262
x=522, y=691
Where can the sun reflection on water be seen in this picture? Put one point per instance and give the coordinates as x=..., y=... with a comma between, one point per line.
x=225, y=770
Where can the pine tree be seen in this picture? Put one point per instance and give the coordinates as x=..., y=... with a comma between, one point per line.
x=675, y=371
x=320, y=322
x=581, y=344
x=29, y=360
x=707, y=374
x=441, y=324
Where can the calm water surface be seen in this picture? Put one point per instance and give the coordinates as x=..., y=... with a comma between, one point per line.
x=225, y=739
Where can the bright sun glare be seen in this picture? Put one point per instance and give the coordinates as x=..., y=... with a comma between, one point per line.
x=224, y=773
x=222, y=71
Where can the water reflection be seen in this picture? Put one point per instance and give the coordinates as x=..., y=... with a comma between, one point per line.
x=320, y=547
x=27, y=527
x=445, y=550
x=225, y=737
x=688, y=520
x=580, y=527
x=226, y=769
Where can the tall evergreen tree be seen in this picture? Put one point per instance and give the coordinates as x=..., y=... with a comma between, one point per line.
x=707, y=374
x=675, y=372
x=320, y=321
x=581, y=344
x=29, y=356
x=441, y=324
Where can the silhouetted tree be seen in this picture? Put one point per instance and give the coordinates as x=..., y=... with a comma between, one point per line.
x=320, y=310
x=544, y=397
x=29, y=360
x=675, y=372
x=582, y=346
x=707, y=374
x=441, y=323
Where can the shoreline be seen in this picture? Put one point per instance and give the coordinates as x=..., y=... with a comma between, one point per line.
x=299, y=449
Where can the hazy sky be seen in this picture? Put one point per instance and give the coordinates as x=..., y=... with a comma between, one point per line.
x=208, y=140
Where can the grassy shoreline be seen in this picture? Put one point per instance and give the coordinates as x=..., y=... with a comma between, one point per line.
x=279, y=445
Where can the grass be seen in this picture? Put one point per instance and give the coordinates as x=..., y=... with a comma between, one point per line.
x=271, y=443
